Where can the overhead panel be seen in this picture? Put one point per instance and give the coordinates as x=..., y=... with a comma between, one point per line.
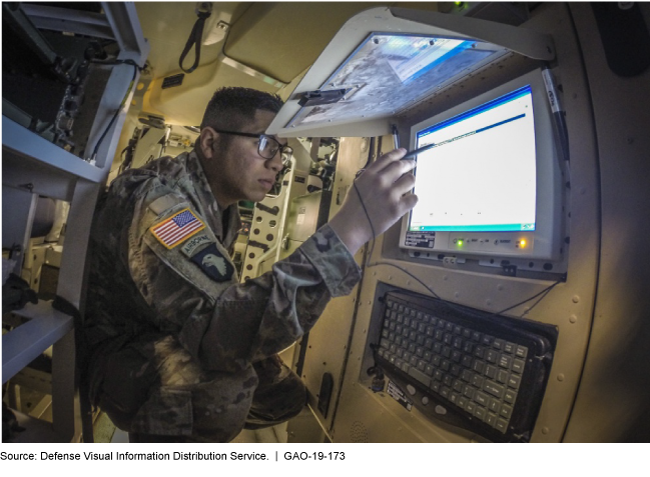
x=385, y=60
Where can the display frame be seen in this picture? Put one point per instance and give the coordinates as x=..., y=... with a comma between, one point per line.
x=545, y=243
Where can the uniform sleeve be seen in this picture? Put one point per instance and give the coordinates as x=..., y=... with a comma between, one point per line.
x=225, y=324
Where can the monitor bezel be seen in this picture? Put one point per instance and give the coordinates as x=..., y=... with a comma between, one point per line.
x=546, y=238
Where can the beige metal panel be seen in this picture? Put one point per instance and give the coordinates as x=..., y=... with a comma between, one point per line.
x=328, y=341
x=283, y=38
x=569, y=306
x=613, y=403
x=185, y=105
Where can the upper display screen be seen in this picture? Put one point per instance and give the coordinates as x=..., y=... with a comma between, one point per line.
x=388, y=72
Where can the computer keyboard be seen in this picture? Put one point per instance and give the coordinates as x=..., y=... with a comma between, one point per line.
x=482, y=372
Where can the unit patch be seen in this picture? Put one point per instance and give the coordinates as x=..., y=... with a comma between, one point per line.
x=190, y=247
x=213, y=264
x=178, y=228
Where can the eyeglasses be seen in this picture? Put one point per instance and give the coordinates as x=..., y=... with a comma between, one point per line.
x=267, y=147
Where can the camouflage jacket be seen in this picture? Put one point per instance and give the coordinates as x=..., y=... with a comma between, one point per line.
x=160, y=268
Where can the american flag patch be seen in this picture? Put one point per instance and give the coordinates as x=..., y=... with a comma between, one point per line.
x=174, y=230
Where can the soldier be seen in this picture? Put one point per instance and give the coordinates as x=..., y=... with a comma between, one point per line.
x=179, y=350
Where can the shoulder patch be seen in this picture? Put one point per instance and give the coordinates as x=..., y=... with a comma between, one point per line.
x=191, y=246
x=166, y=202
x=177, y=228
x=213, y=264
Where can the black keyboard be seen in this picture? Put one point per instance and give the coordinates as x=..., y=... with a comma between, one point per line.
x=482, y=372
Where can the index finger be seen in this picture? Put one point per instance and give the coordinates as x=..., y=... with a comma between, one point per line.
x=386, y=159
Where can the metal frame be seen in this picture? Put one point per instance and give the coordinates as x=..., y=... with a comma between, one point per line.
x=30, y=159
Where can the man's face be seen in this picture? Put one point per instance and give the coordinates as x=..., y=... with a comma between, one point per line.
x=237, y=171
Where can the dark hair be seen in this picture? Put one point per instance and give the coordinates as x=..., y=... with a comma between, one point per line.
x=231, y=107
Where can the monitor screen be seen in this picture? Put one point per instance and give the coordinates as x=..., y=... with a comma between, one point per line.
x=491, y=184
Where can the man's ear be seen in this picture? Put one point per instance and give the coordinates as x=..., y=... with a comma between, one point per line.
x=206, y=141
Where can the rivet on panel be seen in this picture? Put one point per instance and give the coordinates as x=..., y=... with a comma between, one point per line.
x=575, y=299
x=545, y=430
x=573, y=319
x=457, y=294
x=488, y=302
x=445, y=278
x=500, y=287
x=560, y=377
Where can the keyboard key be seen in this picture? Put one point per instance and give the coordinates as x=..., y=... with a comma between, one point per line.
x=514, y=381
x=505, y=361
x=481, y=398
x=502, y=376
x=478, y=381
x=510, y=396
x=491, y=419
x=467, y=375
x=493, y=388
x=491, y=372
x=501, y=426
x=517, y=366
x=478, y=366
x=469, y=392
x=420, y=376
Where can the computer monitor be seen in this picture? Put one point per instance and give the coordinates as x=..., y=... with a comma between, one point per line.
x=492, y=184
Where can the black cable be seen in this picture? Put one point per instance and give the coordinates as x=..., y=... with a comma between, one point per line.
x=136, y=68
x=374, y=236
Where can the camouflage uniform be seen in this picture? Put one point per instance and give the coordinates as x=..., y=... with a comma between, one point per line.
x=178, y=346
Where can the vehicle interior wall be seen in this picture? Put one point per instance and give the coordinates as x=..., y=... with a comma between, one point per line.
x=593, y=313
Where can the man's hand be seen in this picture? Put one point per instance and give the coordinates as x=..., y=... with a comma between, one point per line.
x=378, y=198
